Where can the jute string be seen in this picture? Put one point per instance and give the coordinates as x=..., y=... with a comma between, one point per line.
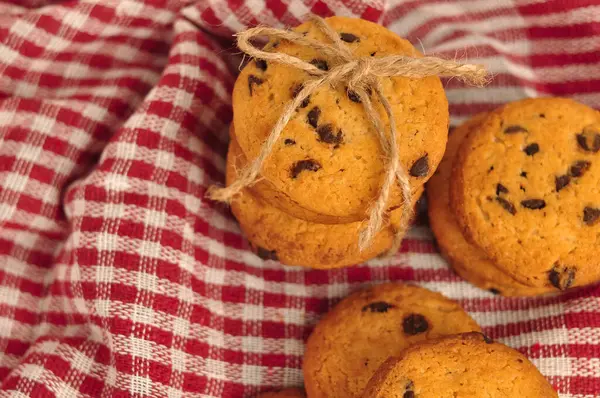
x=361, y=75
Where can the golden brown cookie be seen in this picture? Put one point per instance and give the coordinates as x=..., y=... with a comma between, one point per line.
x=329, y=148
x=285, y=393
x=469, y=261
x=468, y=365
x=526, y=190
x=365, y=329
x=276, y=235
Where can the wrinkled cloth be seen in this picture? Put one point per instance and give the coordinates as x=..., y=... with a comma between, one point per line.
x=117, y=277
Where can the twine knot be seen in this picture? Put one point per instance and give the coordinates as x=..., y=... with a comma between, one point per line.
x=362, y=76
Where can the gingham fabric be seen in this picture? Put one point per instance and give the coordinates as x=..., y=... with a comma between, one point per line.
x=117, y=277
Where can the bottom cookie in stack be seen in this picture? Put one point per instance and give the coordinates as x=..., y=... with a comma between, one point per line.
x=276, y=235
x=465, y=365
x=468, y=260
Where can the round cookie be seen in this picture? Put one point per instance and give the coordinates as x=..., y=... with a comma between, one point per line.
x=285, y=393
x=276, y=235
x=350, y=343
x=526, y=190
x=329, y=146
x=468, y=365
x=468, y=260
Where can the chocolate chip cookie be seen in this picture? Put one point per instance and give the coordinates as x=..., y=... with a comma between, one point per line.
x=329, y=147
x=468, y=260
x=350, y=343
x=276, y=235
x=467, y=365
x=526, y=190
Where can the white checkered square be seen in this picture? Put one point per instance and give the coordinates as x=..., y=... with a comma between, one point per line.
x=141, y=348
x=140, y=385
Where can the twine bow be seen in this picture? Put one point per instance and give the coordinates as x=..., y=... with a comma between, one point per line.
x=361, y=75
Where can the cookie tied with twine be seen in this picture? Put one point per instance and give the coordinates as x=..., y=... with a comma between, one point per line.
x=362, y=76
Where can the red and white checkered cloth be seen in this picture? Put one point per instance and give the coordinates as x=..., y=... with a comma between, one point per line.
x=117, y=277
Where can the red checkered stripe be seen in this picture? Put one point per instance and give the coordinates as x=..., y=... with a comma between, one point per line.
x=118, y=279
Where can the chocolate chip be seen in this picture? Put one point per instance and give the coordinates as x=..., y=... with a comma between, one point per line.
x=420, y=168
x=313, y=116
x=515, y=129
x=296, y=88
x=409, y=393
x=532, y=149
x=266, y=254
x=491, y=169
x=486, y=339
x=561, y=182
x=349, y=37
x=533, y=204
x=254, y=80
x=320, y=63
x=261, y=64
x=415, y=324
x=524, y=174
x=561, y=277
x=289, y=141
x=327, y=135
x=500, y=189
x=378, y=306
x=373, y=53
x=353, y=96
x=591, y=215
x=509, y=207
x=579, y=168
x=307, y=164
x=494, y=291
x=589, y=140
x=522, y=188
x=542, y=115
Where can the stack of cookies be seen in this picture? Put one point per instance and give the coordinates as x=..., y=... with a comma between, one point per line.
x=515, y=203
x=327, y=167
x=396, y=340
